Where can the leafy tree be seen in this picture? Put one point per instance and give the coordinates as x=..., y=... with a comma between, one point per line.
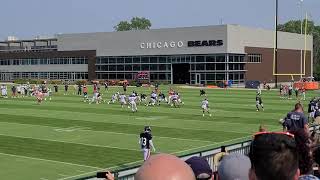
x=294, y=26
x=136, y=23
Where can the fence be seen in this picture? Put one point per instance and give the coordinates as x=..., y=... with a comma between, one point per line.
x=241, y=148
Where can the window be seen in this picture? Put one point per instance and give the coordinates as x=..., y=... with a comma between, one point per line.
x=254, y=58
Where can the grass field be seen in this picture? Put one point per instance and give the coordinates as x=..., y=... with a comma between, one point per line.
x=66, y=138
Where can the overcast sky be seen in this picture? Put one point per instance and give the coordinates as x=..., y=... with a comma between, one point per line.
x=29, y=18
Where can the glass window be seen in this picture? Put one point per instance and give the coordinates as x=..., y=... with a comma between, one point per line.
x=128, y=67
x=128, y=60
x=112, y=76
x=220, y=58
x=128, y=76
x=193, y=67
x=120, y=60
x=210, y=59
x=104, y=68
x=220, y=66
x=145, y=67
x=162, y=59
x=136, y=67
x=200, y=66
x=120, y=76
x=153, y=67
x=231, y=58
x=136, y=60
x=200, y=59
x=162, y=67
x=104, y=60
x=210, y=76
x=145, y=60
x=120, y=67
x=112, y=60
x=210, y=66
x=162, y=76
x=153, y=59
x=112, y=68
x=254, y=58
x=220, y=77
x=153, y=76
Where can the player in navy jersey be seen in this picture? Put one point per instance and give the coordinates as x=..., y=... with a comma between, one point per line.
x=146, y=143
x=259, y=102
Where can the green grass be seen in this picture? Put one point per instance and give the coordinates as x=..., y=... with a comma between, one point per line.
x=66, y=138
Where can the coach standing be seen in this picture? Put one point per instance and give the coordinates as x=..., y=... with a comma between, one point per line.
x=296, y=120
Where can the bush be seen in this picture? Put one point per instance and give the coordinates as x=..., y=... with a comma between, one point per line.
x=55, y=82
x=81, y=82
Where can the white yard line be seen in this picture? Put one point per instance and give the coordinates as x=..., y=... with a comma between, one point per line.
x=40, y=159
x=70, y=142
x=107, y=132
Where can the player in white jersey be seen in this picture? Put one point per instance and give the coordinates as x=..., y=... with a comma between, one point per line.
x=205, y=107
x=132, y=102
x=153, y=98
x=175, y=100
x=122, y=99
x=258, y=90
x=4, y=91
x=114, y=98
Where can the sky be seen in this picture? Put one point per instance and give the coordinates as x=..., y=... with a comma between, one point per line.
x=29, y=18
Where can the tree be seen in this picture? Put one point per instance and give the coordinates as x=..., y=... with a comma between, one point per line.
x=294, y=26
x=136, y=23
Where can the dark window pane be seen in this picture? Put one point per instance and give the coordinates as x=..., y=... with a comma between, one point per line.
x=162, y=76
x=210, y=59
x=120, y=76
x=136, y=67
x=210, y=66
x=120, y=60
x=112, y=76
x=162, y=67
x=112, y=68
x=162, y=59
x=128, y=60
x=220, y=66
x=136, y=60
x=220, y=58
x=145, y=67
x=128, y=76
x=210, y=76
x=153, y=59
x=220, y=77
x=120, y=67
x=200, y=66
x=231, y=58
x=104, y=60
x=153, y=76
x=128, y=67
x=153, y=67
x=112, y=60
x=145, y=60
x=104, y=68
x=200, y=59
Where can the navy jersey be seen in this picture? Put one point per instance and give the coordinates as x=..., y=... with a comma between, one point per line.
x=258, y=99
x=295, y=121
x=145, y=139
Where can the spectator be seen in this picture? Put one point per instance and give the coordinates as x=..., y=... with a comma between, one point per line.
x=200, y=167
x=164, y=167
x=218, y=157
x=234, y=166
x=303, y=143
x=296, y=120
x=274, y=156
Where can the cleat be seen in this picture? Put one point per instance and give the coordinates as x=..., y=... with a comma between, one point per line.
x=202, y=115
x=257, y=110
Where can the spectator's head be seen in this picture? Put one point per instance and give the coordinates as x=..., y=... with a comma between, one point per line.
x=200, y=168
x=303, y=143
x=298, y=107
x=274, y=156
x=164, y=167
x=234, y=166
x=223, y=149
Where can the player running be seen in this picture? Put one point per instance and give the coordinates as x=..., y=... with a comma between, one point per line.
x=114, y=98
x=146, y=143
x=153, y=98
x=205, y=107
x=132, y=102
x=259, y=102
x=202, y=92
x=85, y=93
x=122, y=99
x=4, y=91
x=162, y=98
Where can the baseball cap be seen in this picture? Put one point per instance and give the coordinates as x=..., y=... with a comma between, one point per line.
x=200, y=167
x=234, y=166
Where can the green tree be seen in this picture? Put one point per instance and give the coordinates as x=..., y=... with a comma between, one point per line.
x=136, y=23
x=294, y=26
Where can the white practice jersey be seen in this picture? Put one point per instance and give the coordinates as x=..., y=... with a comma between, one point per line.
x=132, y=99
x=122, y=98
x=204, y=103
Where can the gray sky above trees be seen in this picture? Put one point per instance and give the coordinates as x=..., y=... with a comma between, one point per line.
x=29, y=18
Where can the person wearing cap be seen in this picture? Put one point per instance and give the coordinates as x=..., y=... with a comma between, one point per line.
x=164, y=167
x=146, y=143
x=200, y=168
x=234, y=166
x=274, y=156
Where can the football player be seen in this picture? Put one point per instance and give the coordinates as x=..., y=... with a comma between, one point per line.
x=4, y=92
x=259, y=102
x=132, y=102
x=146, y=143
x=205, y=107
x=114, y=98
x=202, y=92
x=122, y=98
x=162, y=98
x=153, y=98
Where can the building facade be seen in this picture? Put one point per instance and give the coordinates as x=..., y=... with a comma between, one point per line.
x=195, y=55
